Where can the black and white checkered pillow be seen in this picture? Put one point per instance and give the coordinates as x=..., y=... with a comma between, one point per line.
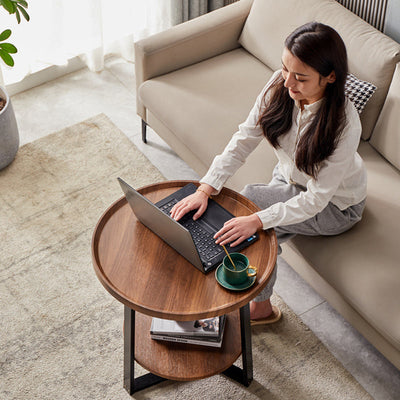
x=358, y=91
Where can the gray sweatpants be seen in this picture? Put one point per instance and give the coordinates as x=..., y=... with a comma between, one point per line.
x=330, y=221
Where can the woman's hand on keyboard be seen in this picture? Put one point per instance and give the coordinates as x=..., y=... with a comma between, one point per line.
x=196, y=201
x=238, y=229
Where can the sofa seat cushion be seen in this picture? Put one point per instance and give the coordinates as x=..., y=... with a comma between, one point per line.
x=372, y=55
x=363, y=264
x=204, y=104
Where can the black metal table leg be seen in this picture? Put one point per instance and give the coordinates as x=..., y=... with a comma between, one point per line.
x=144, y=129
x=244, y=375
x=131, y=384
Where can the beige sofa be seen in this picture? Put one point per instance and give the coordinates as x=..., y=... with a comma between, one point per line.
x=197, y=81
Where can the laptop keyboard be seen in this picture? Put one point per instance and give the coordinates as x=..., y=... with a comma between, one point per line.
x=203, y=240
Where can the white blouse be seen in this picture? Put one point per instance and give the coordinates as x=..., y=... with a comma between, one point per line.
x=341, y=178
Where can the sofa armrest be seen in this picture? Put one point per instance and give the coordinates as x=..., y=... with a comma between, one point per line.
x=386, y=135
x=191, y=42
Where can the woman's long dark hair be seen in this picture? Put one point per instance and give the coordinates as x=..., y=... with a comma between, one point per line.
x=320, y=47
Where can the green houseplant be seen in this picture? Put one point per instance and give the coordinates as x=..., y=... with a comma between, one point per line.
x=9, y=136
x=16, y=7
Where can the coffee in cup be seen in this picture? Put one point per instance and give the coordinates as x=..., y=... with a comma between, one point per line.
x=240, y=272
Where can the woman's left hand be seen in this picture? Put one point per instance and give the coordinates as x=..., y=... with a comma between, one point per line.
x=238, y=229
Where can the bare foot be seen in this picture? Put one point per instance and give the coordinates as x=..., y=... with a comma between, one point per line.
x=260, y=309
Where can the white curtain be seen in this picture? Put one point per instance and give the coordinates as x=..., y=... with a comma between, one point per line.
x=184, y=10
x=91, y=29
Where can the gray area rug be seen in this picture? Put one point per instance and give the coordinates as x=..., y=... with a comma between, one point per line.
x=61, y=332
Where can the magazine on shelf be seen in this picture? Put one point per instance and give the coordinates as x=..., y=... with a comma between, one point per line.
x=209, y=327
x=200, y=338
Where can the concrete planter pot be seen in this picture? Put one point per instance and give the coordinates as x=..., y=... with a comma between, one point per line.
x=9, y=136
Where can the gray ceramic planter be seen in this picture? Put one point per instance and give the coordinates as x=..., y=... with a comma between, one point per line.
x=9, y=137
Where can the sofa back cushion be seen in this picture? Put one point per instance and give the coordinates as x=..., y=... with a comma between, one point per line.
x=386, y=135
x=372, y=55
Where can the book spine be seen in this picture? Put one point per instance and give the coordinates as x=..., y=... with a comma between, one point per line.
x=183, y=334
x=184, y=340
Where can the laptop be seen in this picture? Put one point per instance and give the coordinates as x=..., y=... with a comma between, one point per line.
x=192, y=239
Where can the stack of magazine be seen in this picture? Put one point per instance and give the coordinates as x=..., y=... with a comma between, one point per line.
x=204, y=332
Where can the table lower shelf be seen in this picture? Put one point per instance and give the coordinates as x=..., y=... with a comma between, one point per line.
x=186, y=362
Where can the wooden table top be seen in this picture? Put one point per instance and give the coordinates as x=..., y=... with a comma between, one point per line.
x=144, y=273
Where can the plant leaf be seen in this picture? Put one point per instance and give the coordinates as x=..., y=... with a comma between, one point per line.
x=5, y=35
x=8, y=5
x=22, y=2
x=8, y=47
x=18, y=16
x=24, y=13
x=7, y=58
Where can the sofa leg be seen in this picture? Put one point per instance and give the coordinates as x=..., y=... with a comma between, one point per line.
x=144, y=126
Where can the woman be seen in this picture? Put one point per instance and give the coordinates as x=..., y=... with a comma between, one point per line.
x=319, y=184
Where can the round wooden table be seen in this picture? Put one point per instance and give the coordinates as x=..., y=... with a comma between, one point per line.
x=148, y=276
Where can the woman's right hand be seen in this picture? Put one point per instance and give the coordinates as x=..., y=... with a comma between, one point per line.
x=196, y=201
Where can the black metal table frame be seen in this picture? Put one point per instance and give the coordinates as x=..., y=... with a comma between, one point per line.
x=242, y=375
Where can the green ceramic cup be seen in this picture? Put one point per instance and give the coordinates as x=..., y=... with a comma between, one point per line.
x=242, y=272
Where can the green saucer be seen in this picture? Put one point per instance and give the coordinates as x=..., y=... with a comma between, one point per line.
x=219, y=276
